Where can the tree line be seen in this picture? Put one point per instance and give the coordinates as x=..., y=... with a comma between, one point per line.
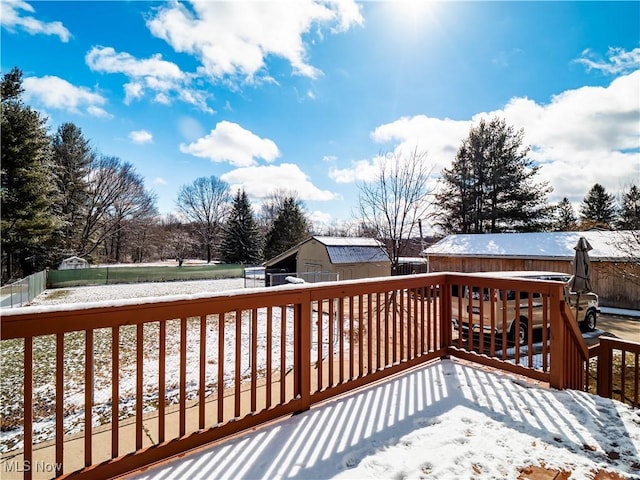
x=61, y=198
x=492, y=186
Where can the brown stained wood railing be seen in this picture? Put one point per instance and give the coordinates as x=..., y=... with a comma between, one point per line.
x=574, y=353
x=617, y=370
x=247, y=357
x=487, y=313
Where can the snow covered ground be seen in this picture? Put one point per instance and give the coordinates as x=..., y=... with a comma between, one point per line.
x=44, y=351
x=133, y=290
x=442, y=421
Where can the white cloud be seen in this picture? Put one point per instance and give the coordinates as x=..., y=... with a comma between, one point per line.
x=618, y=60
x=133, y=91
x=261, y=181
x=584, y=136
x=229, y=142
x=140, y=136
x=233, y=39
x=12, y=13
x=98, y=112
x=321, y=221
x=581, y=137
x=439, y=138
x=164, y=79
x=159, y=181
x=54, y=92
x=105, y=59
x=359, y=171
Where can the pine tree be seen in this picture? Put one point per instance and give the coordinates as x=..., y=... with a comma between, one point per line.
x=240, y=235
x=491, y=185
x=630, y=210
x=289, y=228
x=598, y=208
x=72, y=157
x=566, y=219
x=27, y=191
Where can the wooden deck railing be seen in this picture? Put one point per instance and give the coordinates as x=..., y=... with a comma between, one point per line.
x=613, y=370
x=97, y=391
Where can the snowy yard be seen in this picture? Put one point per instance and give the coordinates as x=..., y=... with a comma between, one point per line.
x=134, y=290
x=44, y=358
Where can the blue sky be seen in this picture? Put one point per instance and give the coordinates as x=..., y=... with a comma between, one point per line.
x=307, y=95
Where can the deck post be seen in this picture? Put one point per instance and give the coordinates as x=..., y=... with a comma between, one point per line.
x=302, y=349
x=557, y=340
x=445, y=315
x=605, y=357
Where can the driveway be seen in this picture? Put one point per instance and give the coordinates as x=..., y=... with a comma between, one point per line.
x=625, y=327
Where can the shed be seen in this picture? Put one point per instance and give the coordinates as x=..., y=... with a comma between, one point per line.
x=73, y=263
x=614, y=259
x=344, y=258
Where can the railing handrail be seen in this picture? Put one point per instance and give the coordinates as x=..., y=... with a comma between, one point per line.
x=407, y=300
x=37, y=321
x=574, y=330
x=604, y=353
x=619, y=344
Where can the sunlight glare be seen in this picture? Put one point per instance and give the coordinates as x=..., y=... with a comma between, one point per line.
x=412, y=14
x=413, y=9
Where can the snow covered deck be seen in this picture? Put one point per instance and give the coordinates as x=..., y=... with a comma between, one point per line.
x=188, y=370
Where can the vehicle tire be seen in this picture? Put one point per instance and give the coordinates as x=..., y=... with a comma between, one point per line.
x=520, y=335
x=589, y=322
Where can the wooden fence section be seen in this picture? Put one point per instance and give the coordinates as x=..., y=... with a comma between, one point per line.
x=615, y=368
x=105, y=390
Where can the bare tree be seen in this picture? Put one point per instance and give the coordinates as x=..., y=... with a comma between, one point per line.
x=392, y=204
x=627, y=242
x=144, y=238
x=273, y=204
x=177, y=240
x=116, y=196
x=205, y=203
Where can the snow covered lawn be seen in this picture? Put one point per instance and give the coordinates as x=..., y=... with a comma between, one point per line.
x=74, y=352
x=133, y=290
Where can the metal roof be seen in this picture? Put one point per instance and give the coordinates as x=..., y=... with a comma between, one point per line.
x=348, y=241
x=342, y=250
x=606, y=245
x=356, y=254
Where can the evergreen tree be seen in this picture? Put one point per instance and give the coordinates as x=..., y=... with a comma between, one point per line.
x=566, y=219
x=289, y=228
x=630, y=210
x=27, y=192
x=240, y=235
x=73, y=158
x=491, y=186
x=598, y=208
